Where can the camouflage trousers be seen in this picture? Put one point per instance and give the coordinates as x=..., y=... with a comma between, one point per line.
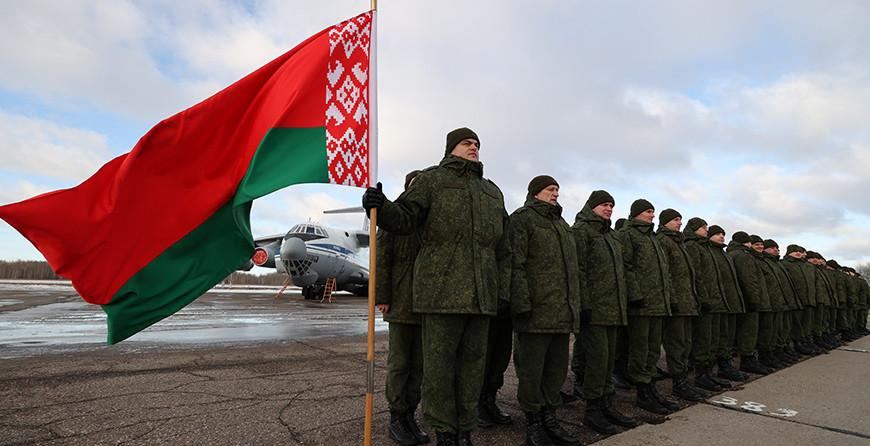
x=843, y=319
x=677, y=340
x=768, y=327
x=747, y=333
x=808, y=323
x=454, y=356
x=784, y=325
x=644, y=347
x=797, y=328
x=541, y=361
x=821, y=319
x=404, y=368
x=727, y=336
x=705, y=338
x=598, y=343
x=498, y=354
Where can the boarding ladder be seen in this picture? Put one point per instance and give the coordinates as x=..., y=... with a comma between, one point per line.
x=284, y=287
x=328, y=289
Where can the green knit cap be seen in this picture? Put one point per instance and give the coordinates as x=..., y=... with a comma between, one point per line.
x=456, y=136
x=794, y=248
x=599, y=197
x=640, y=205
x=770, y=243
x=756, y=239
x=740, y=237
x=540, y=182
x=695, y=223
x=667, y=215
x=715, y=229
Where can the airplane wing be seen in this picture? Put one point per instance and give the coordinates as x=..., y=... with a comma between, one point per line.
x=269, y=239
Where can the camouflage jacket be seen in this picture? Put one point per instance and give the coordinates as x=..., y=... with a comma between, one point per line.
x=853, y=290
x=803, y=278
x=782, y=283
x=825, y=291
x=726, y=274
x=707, y=282
x=835, y=278
x=682, y=276
x=750, y=277
x=864, y=301
x=394, y=276
x=545, y=288
x=646, y=269
x=602, y=273
x=464, y=262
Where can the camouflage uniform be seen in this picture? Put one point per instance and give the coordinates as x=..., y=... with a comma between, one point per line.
x=726, y=275
x=648, y=284
x=394, y=282
x=770, y=322
x=825, y=300
x=804, y=281
x=462, y=269
x=545, y=301
x=754, y=291
x=677, y=332
x=602, y=280
x=711, y=296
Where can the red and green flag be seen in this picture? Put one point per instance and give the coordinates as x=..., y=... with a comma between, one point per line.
x=157, y=227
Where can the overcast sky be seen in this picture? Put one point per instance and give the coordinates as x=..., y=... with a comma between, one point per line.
x=753, y=115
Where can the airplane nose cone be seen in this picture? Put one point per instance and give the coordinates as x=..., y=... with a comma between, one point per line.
x=293, y=249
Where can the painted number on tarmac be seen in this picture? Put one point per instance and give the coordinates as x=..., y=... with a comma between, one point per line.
x=753, y=406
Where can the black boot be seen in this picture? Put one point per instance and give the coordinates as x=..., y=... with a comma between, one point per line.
x=445, y=439
x=647, y=402
x=577, y=391
x=620, y=381
x=399, y=431
x=664, y=402
x=464, y=439
x=535, y=433
x=616, y=417
x=557, y=434
x=723, y=383
x=682, y=389
x=705, y=381
x=749, y=364
x=727, y=371
x=497, y=415
x=595, y=419
x=415, y=429
x=767, y=360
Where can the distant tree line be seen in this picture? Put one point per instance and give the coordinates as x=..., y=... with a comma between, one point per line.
x=27, y=270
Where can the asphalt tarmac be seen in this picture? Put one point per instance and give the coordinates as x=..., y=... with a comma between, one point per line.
x=241, y=367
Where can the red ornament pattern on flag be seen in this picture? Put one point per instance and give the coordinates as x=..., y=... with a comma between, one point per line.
x=347, y=102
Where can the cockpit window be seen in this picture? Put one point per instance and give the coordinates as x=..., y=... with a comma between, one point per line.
x=306, y=232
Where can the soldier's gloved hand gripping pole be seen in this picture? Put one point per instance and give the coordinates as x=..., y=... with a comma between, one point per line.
x=373, y=198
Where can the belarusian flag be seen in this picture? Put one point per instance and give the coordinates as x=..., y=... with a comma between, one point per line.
x=155, y=228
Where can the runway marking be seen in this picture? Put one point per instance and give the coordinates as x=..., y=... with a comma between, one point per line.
x=727, y=402
x=753, y=406
x=857, y=350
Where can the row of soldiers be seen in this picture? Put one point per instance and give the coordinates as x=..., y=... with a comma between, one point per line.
x=463, y=285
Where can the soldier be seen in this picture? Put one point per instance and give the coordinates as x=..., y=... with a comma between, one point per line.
x=648, y=285
x=864, y=305
x=394, y=281
x=726, y=275
x=751, y=281
x=602, y=280
x=803, y=278
x=850, y=313
x=824, y=301
x=677, y=331
x=783, y=337
x=545, y=303
x=713, y=305
x=838, y=314
x=462, y=269
x=770, y=321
